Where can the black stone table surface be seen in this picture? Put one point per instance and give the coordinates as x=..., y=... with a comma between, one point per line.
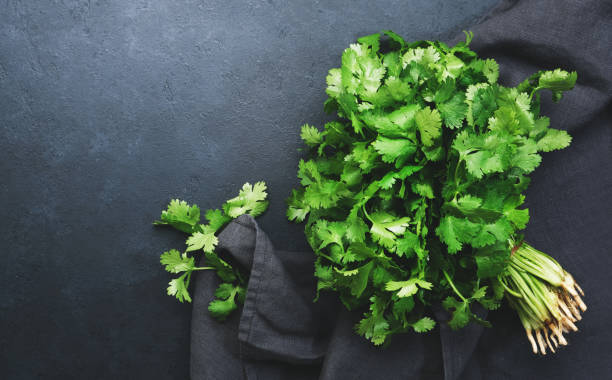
x=110, y=108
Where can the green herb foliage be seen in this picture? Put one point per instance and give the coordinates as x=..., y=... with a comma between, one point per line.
x=420, y=180
x=202, y=238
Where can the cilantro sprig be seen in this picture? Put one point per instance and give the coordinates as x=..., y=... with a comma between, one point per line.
x=203, y=239
x=411, y=197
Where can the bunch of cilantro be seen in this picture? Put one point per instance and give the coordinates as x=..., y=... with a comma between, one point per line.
x=202, y=239
x=413, y=196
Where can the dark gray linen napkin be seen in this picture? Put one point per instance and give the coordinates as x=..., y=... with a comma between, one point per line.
x=281, y=334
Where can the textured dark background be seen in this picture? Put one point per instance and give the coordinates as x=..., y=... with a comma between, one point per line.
x=108, y=109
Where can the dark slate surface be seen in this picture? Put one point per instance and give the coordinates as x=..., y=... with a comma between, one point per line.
x=108, y=109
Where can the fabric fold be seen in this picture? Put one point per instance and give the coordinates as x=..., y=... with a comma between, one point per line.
x=458, y=346
x=278, y=324
x=280, y=281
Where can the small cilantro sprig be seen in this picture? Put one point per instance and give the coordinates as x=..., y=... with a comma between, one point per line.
x=411, y=197
x=202, y=238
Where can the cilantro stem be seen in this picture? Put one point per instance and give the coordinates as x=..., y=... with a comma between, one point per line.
x=326, y=256
x=530, y=296
x=457, y=169
x=540, y=272
x=363, y=207
x=539, y=264
x=456, y=178
x=505, y=286
x=202, y=268
x=533, y=92
x=450, y=282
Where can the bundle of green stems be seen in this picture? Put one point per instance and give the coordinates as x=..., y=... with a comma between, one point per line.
x=545, y=296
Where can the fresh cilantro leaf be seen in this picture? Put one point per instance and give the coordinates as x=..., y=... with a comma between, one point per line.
x=226, y=301
x=180, y=216
x=311, y=136
x=481, y=105
x=250, y=200
x=519, y=218
x=430, y=125
x=424, y=324
x=385, y=227
x=460, y=312
x=490, y=69
x=479, y=293
x=558, y=80
x=374, y=326
x=526, y=157
x=198, y=240
x=491, y=260
x=330, y=233
x=178, y=288
x=394, y=150
x=407, y=244
x=356, y=229
x=423, y=188
x=409, y=287
x=324, y=194
x=402, y=307
x=373, y=40
x=554, y=139
x=490, y=233
x=468, y=203
x=216, y=219
x=454, y=231
x=175, y=262
x=453, y=111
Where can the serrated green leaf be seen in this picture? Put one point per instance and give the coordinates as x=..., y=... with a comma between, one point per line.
x=356, y=230
x=519, y=218
x=216, y=219
x=479, y=293
x=198, y=240
x=424, y=324
x=492, y=260
x=180, y=216
x=392, y=150
x=453, y=111
x=490, y=69
x=409, y=287
x=250, y=200
x=429, y=124
x=175, y=262
x=373, y=40
x=311, y=136
x=385, y=227
x=407, y=244
x=221, y=309
x=460, y=312
x=455, y=231
x=178, y=288
x=558, y=80
x=554, y=139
